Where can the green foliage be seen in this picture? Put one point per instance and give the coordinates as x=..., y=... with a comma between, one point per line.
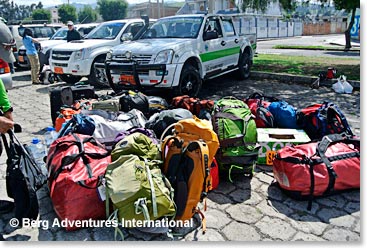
x=261, y=5
x=112, y=9
x=87, y=15
x=41, y=14
x=348, y=5
x=67, y=12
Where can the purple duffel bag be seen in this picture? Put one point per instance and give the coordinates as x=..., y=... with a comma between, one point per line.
x=147, y=132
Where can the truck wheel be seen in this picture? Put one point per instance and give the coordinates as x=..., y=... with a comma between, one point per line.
x=69, y=79
x=98, y=77
x=244, y=66
x=190, y=82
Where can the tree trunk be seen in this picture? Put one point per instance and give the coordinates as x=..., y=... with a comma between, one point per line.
x=348, y=44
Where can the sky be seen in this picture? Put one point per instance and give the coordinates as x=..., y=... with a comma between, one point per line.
x=57, y=2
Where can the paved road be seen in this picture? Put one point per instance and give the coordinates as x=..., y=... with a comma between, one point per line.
x=266, y=46
x=248, y=210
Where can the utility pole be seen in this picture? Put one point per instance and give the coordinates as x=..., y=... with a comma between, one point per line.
x=159, y=9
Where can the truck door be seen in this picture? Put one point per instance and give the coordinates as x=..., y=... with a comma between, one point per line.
x=230, y=43
x=212, y=52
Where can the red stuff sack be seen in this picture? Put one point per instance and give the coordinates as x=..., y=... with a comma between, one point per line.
x=318, y=169
x=76, y=165
x=214, y=174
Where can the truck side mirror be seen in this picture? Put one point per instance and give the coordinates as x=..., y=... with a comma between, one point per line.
x=209, y=35
x=126, y=37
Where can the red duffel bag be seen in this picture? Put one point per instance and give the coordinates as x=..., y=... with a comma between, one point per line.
x=76, y=165
x=318, y=169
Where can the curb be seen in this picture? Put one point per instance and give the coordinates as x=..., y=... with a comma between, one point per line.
x=321, y=49
x=294, y=79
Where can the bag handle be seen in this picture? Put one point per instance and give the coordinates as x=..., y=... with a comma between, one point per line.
x=321, y=150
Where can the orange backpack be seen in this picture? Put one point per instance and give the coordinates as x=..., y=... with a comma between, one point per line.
x=188, y=154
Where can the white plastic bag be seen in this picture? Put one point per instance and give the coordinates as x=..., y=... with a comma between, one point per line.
x=342, y=85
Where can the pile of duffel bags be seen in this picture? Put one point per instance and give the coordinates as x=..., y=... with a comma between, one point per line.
x=140, y=158
x=329, y=164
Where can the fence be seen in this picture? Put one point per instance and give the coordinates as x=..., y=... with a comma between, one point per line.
x=274, y=27
x=267, y=26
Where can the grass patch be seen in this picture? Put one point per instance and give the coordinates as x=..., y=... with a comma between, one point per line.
x=308, y=47
x=306, y=66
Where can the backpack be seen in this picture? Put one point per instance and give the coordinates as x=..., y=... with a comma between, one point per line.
x=284, y=114
x=194, y=105
x=258, y=104
x=187, y=155
x=160, y=121
x=318, y=169
x=156, y=104
x=236, y=129
x=23, y=178
x=134, y=181
x=76, y=165
x=263, y=117
x=319, y=120
x=134, y=100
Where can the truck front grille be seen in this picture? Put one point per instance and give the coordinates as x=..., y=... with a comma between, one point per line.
x=141, y=59
x=61, y=55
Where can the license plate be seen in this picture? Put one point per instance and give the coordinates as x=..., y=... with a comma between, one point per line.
x=20, y=58
x=270, y=155
x=127, y=79
x=59, y=70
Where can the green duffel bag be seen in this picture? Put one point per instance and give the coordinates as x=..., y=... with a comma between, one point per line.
x=112, y=105
x=135, y=183
x=237, y=134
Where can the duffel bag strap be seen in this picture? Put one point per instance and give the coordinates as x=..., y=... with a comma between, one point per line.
x=321, y=150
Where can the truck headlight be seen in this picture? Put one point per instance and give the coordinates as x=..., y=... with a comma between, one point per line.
x=109, y=55
x=81, y=54
x=164, y=57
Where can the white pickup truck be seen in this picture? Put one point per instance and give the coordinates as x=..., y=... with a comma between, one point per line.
x=76, y=59
x=179, y=52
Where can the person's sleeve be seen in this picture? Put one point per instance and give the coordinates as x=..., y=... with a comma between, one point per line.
x=4, y=100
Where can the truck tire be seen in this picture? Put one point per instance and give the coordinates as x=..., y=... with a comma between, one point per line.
x=190, y=82
x=95, y=78
x=244, y=66
x=69, y=79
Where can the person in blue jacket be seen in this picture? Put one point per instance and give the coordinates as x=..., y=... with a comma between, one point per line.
x=32, y=54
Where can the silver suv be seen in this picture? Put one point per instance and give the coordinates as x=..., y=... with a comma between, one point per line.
x=40, y=31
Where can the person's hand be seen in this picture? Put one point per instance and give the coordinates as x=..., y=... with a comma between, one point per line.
x=5, y=124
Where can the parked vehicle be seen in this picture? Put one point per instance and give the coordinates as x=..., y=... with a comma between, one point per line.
x=58, y=38
x=40, y=32
x=77, y=59
x=5, y=75
x=179, y=52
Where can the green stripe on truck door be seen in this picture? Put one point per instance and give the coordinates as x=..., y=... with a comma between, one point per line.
x=219, y=54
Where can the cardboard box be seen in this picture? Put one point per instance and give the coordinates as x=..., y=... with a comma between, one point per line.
x=273, y=139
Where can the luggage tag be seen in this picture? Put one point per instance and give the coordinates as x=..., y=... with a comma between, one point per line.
x=101, y=190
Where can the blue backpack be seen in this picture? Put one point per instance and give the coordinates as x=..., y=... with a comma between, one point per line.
x=79, y=123
x=285, y=115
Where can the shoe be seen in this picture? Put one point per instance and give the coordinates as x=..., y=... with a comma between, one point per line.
x=36, y=83
x=1, y=238
x=6, y=206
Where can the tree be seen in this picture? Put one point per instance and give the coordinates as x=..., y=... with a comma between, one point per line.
x=348, y=5
x=112, y=9
x=67, y=12
x=39, y=5
x=41, y=14
x=87, y=15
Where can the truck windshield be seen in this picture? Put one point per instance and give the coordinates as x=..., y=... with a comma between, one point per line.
x=60, y=34
x=175, y=27
x=107, y=31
